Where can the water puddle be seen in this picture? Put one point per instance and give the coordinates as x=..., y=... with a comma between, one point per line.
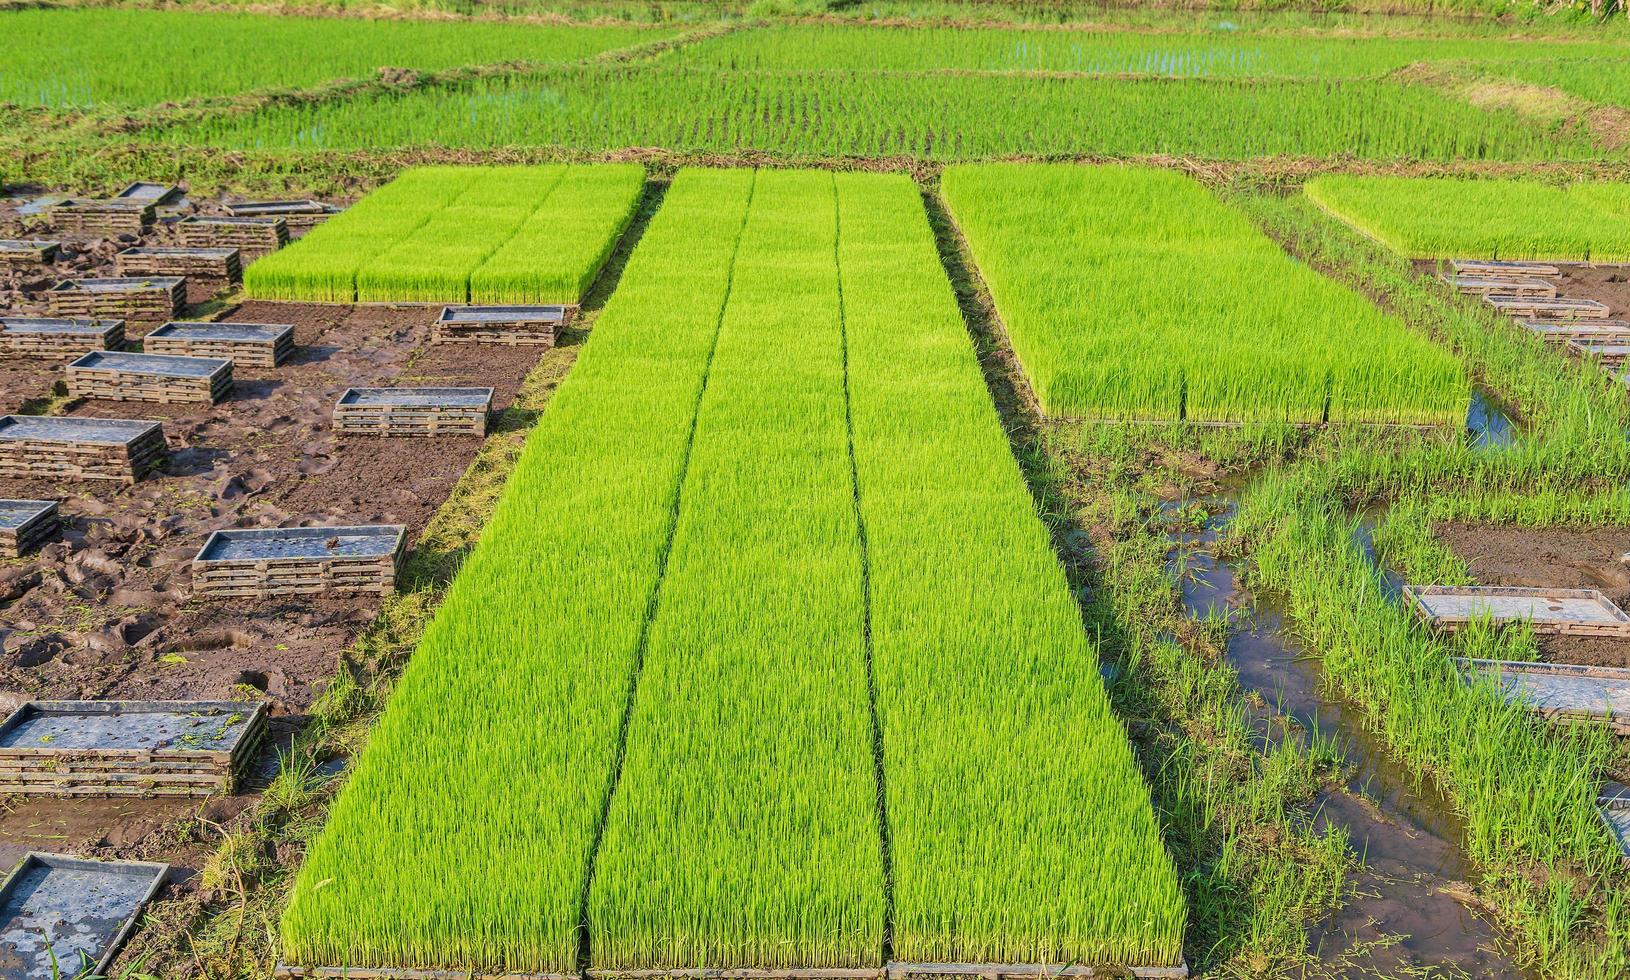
x=1489, y=423
x=1405, y=916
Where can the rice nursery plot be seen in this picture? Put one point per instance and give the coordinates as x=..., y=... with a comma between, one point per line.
x=936, y=117
x=127, y=58
x=795, y=331
x=453, y=234
x=805, y=47
x=1504, y=219
x=1131, y=293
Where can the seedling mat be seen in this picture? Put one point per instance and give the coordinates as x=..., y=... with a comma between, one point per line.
x=80, y=911
x=1578, y=612
x=1563, y=692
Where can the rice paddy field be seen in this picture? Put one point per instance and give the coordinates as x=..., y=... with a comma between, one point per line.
x=962, y=528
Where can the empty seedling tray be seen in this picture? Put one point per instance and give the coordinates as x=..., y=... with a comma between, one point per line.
x=150, y=192
x=28, y=251
x=210, y=262
x=28, y=336
x=259, y=562
x=77, y=912
x=78, y=448
x=500, y=324
x=1539, y=306
x=413, y=411
x=128, y=748
x=264, y=345
x=1564, y=692
x=1499, y=267
x=164, y=378
x=1502, y=285
x=1576, y=612
x=25, y=525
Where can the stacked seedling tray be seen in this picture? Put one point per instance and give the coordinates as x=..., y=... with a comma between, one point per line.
x=1495, y=267
x=297, y=213
x=1539, y=307
x=1614, y=806
x=539, y=325
x=164, y=378
x=158, y=298
x=262, y=345
x=128, y=748
x=1609, y=353
x=414, y=411
x=1573, y=612
x=1560, y=692
x=92, y=217
x=209, y=263
x=249, y=234
x=27, y=336
x=1562, y=331
x=265, y=562
x=28, y=251
x=25, y=525
x=52, y=447
x=1501, y=285
x=58, y=913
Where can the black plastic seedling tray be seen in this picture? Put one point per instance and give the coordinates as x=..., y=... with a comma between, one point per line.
x=76, y=911
x=315, y=543
x=48, y=428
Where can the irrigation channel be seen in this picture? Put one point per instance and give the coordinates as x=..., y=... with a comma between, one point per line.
x=1406, y=909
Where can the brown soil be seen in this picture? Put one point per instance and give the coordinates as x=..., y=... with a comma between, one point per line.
x=105, y=612
x=26, y=379
x=1555, y=558
x=1608, y=284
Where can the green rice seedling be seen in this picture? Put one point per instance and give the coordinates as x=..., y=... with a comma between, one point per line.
x=782, y=47
x=83, y=58
x=557, y=251
x=1461, y=218
x=1020, y=829
x=1134, y=294
x=930, y=115
x=744, y=832
x=464, y=836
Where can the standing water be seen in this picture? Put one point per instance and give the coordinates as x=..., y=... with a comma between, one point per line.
x=1404, y=912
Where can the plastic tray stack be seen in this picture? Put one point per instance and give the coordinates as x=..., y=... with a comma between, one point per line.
x=265, y=562
x=51, y=447
x=163, y=378
x=261, y=345
x=298, y=214
x=25, y=525
x=128, y=748
x=26, y=336
x=414, y=411
x=539, y=325
x=97, y=217
x=159, y=298
x=29, y=251
x=248, y=234
x=218, y=262
x=1562, y=331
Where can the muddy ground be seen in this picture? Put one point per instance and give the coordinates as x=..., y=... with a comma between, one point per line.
x=1557, y=558
x=106, y=613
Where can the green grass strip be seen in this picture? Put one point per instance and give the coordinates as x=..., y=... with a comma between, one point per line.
x=1446, y=218
x=1133, y=293
x=464, y=835
x=1021, y=829
x=744, y=832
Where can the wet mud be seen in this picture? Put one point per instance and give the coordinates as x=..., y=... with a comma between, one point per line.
x=1410, y=908
x=1553, y=558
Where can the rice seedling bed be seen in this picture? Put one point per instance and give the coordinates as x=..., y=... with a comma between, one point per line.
x=58, y=912
x=162, y=378
x=30, y=336
x=1427, y=218
x=927, y=116
x=1560, y=692
x=1134, y=294
x=264, y=562
x=453, y=234
x=261, y=345
x=217, y=262
x=1576, y=612
x=128, y=748
x=782, y=368
x=26, y=525
x=112, y=57
x=79, y=448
